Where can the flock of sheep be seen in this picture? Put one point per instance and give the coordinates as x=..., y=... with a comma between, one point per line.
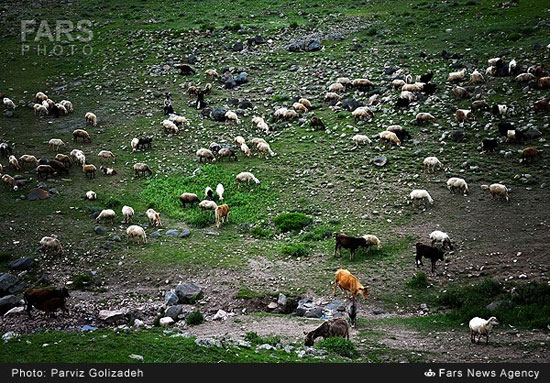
x=411, y=90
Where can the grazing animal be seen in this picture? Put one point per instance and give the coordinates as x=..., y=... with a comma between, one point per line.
x=529, y=154
x=542, y=105
x=476, y=77
x=362, y=113
x=362, y=84
x=128, y=213
x=232, y=117
x=89, y=170
x=246, y=177
x=336, y=88
x=106, y=214
x=81, y=133
x=457, y=76
x=153, y=217
x=543, y=83
x=40, y=96
x=390, y=137
x=227, y=153
x=420, y=195
x=141, y=168
x=206, y=154
x=145, y=142
x=44, y=171
x=499, y=110
x=401, y=133
x=27, y=159
x=209, y=193
x=51, y=245
x=462, y=115
x=170, y=127
x=338, y=327
x=65, y=159
x=91, y=196
x=208, y=205
x=263, y=147
x=348, y=242
x=481, y=327
x=106, y=155
x=59, y=167
x=219, y=191
x=431, y=164
x=222, y=214
x=499, y=190
x=352, y=313
x=189, y=198
x=47, y=300
x=5, y=149
x=424, y=118
x=136, y=231
x=55, y=144
x=455, y=183
x=9, y=104
x=489, y=145
x=107, y=171
x=361, y=139
x=316, y=123
x=14, y=163
x=91, y=118
x=348, y=282
x=433, y=253
x=460, y=92
x=480, y=105
x=440, y=237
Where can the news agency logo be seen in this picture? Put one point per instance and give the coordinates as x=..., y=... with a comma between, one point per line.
x=56, y=38
x=429, y=373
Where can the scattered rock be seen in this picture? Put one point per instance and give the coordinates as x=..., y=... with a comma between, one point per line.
x=99, y=230
x=23, y=263
x=166, y=321
x=188, y=293
x=185, y=233
x=7, y=303
x=172, y=233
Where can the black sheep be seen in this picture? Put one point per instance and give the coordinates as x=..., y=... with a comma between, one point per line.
x=433, y=253
x=489, y=144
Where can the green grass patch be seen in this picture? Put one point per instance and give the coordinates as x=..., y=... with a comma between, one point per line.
x=339, y=346
x=295, y=250
x=194, y=318
x=256, y=339
x=291, y=221
x=418, y=281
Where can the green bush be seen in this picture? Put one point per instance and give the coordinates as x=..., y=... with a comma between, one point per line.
x=261, y=233
x=418, y=281
x=82, y=281
x=194, y=318
x=291, y=221
x=113, y=203
x=256, y=339
x=319, y=233
x=339, y=346
x=295, y=250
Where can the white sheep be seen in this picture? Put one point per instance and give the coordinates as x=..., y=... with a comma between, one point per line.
x=78, y=157
x=180, y=120
x=431, y=164
x=363, y=112
x=344, y=81
x=240, y=140
x=263, y=147
x=134, y=144
x=170, y=127
x=361, y=139
x=362, y=84
x=91, y=118
x=390, y=137
x=55, y=144
x=40, y=110
x=457, y=76
x=305, y=102
x=106, y=214
x=479, y=326
x=280, y=113
x=499, y=190
x=211, y=73
x=332, y=96
x=423, y=118
x=41, y=96
x=153, y=217
x=91, y=195
x=51, y=245
x=67, y=105
x=246, y=150
x=106, y=155
x=263, y=126
x=246, y=177
x=9, y=104
x=336, y=87
x=300, y=107
x=208, y=205
x=219, y=191
x=420, y=195
x=136, y=231
x=128, y=213
x=232, y=117
x=438, y=236
x=525, y=77
x=206, y=154
x=476, y=77
x=397, y=83
x=416, y=87
x=372, y=240
x=455, y=183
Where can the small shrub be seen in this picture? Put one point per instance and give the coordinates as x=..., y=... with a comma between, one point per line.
x=339, y=346
x=295, y=250
x=291, y=221
x=261, y=233
x=294, y=25
x=418, y=281
x=194, y=318
x=256, y=339
x=113, y=203
x=82, y=281
x=371, y=31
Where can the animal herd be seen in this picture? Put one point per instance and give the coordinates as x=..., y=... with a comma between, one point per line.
x=411, y=90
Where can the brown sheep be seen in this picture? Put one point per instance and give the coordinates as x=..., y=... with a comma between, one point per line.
x=189, y=198
x=47, y=300
x=348, y=282
x=81, y=133
x=529, y=154
x=222, y=213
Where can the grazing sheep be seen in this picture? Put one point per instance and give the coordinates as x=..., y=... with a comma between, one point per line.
x=457, y=76
x=300, y=107
x=67, y=105
x=348, y=242
x=55, y=144
x=141, y=168
x=51, y=245
x=9, y=104
x=14, y=163
x=145, y=142
x=305, y=102
x=372, y=240
x=89, y=170
x=416, y=87
x=397, y=83
x=222, y=214
x=153, y=217
x=40, y=96
x=91, y=196
x=455, y=183
x=27, y=159
x=460, y=92
x=263, y=147
x=209, y=193
x=44, y=171
x=462, y=115
x=106, y=155
x=180, y=120
x=246, y=150
x=77, y=156
x=81, y=133
x=240, y=140
x=476, y=77
x=362, y=84
x=256, y=140
x=489, y=145
x=106, y=214
x=316, y=122
x=409, y=79
x=500, y=110
x=232, y=117
x=433, y=253
x=108, y=171
x=211, y=73
x=208, y=205
x=219, y=191
x=332, y=328
x=59, y=167
x=390, y=137
x=424, y=118
x=529, y=154
x=332, y=96
x=60, y=110
x=246, y=177
x=499, y=190
x=542, y=105
x=227, y=153
x=420, y=195
x=344, y=81
x=480, y=105
x=525, y=77
x=189, y=198
x=280, y=113
x=361, y=139
x=170, y=127
x=206, y=154
x=91, y=118
x=128, y=213
x=9, y=181
x=543, y=83
x=431, y=164
x=336, y=88
x=438, y=236
x=405, y=98
x=40, y=110
x=479, y=326
x=348, y=282
x=362, y=113
x=134, y=144
x=136, y=231
x=401, y=133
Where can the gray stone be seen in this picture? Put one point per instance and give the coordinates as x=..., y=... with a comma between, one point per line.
x=112, y=316
x=188, y=292
x=185, y=233
x=171, y=298
x=166, y=321
x=377, y=311
x=7, y=303
x=208, y=342
x=316, y=312
x=8, y=284
x=380, y=161
x=100, y=229
x=218, y=114
x=304, y=305
x=155, y=234
x=23, y=263
x=498, y=305
x=37, y=195
x=173, y=311
x=281, y=301
x=172, y=233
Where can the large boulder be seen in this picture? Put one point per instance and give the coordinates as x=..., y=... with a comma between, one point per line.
x=113, y=316
x=9, y=284
x=188, y=292
x=23, y=263
x=304, y=305
x=38, y=194
x=7, y=303
x=218, y=114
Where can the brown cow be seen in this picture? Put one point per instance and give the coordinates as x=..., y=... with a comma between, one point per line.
x=348, y=282
x=222, y=213
x=47, y=300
